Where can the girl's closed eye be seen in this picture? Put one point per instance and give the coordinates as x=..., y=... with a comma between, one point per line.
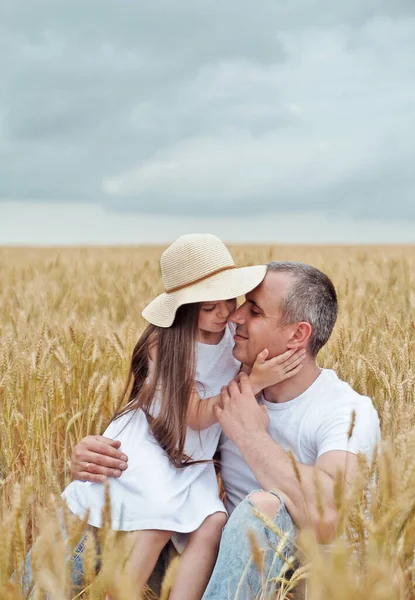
x=208, y=308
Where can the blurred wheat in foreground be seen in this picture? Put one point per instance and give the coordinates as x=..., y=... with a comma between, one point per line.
x=69, y=319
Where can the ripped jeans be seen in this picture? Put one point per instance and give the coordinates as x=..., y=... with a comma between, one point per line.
x=237, y=576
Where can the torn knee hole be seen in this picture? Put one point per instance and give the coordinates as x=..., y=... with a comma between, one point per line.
x=265, y=502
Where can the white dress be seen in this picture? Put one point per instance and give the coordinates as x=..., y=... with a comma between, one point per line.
x=152, y=493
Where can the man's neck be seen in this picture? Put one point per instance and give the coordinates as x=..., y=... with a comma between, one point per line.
x=295, y=386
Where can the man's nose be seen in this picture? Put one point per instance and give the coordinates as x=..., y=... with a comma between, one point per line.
x=237, y=316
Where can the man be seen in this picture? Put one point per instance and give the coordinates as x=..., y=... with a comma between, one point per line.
x=310, y=415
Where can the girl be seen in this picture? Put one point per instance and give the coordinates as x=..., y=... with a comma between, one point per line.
x=168, y=427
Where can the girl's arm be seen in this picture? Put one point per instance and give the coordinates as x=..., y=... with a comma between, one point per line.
x=264, y=373
x=200, y=413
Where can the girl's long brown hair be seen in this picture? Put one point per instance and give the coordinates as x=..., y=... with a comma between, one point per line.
x=170, y=382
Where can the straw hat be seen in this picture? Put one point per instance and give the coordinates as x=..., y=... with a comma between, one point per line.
x=199, y=268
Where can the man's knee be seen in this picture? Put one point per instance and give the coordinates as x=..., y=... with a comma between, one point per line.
x=266, y=503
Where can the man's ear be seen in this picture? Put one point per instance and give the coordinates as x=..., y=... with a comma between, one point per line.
x=300, y=335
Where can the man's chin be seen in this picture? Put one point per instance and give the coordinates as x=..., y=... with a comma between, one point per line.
x=239, y=354
x=236, y=351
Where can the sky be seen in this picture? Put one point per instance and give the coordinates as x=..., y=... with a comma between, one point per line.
x=136, y=121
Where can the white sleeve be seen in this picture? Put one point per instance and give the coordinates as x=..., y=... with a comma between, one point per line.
x=333, y=433
x=116, y=427
x=232, y=328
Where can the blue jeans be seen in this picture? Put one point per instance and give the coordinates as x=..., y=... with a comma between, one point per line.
x=77, y=568
x=75, y=560
x=236, y=576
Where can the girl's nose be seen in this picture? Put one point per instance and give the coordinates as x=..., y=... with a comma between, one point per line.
x=223, y=310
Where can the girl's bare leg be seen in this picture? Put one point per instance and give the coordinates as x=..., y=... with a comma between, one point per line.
x=198, y=559
x=148, y=545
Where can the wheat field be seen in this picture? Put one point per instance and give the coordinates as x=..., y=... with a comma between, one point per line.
x=69, y=320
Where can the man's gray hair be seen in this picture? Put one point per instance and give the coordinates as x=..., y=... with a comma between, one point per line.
x=311, y=298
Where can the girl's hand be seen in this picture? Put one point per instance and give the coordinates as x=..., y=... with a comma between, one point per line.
x=269, y=372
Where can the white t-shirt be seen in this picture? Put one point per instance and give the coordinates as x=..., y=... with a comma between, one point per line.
x=315, y=422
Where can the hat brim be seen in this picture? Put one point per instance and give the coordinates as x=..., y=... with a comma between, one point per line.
x=228, y=284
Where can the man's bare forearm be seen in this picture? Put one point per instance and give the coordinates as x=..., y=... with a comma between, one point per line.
x=303, y=487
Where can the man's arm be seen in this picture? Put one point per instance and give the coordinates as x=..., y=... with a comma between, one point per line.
x=97, y=457
x=308, y=491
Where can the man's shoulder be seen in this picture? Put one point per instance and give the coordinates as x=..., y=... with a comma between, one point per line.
x=339, y=396
x=341, y=389
x=348, y=421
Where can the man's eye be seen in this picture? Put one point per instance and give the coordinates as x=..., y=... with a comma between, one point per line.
x=253, y=312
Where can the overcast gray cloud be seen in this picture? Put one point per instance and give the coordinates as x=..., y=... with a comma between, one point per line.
x=204, y=107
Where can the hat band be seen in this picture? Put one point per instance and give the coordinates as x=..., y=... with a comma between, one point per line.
x=190, y=283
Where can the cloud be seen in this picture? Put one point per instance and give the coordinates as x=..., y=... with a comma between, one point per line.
x=207, y=108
